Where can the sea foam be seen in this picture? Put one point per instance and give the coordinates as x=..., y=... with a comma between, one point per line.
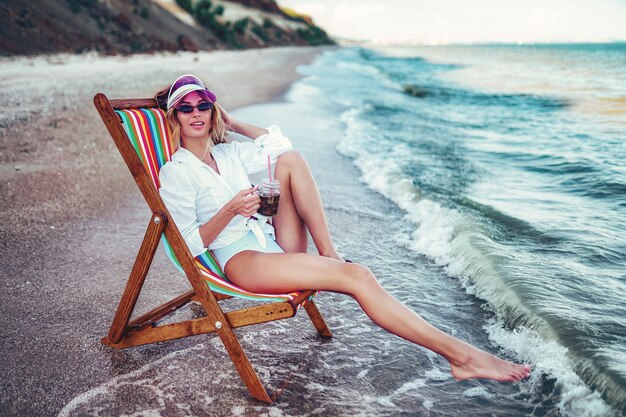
x=454, y=242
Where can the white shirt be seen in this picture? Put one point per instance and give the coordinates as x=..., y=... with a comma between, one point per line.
x=193, y=192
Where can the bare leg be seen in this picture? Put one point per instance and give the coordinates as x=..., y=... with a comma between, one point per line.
x=273, y=273
x=300, y=208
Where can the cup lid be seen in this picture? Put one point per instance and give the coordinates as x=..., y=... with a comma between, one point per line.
x=270, y=184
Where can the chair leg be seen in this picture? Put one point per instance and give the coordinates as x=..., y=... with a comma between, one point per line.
x=242, y=364
x=137, y=276
x=317, y=319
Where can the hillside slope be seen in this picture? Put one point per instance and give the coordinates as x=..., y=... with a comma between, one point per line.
x=132, y=26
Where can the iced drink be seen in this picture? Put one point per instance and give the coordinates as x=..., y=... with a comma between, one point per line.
x=269, y=194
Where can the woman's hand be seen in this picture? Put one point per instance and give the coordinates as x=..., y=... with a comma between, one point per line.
x=242, y=128
x=245, y=202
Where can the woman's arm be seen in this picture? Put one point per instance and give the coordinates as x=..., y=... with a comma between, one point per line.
x=242, y=128
x=245, y=203
x=179, y=195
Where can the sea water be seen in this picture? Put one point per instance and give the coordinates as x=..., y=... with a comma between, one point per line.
x=509, y=162
x=485, y=187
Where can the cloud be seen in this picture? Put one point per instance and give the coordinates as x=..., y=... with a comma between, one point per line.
x=450, y=21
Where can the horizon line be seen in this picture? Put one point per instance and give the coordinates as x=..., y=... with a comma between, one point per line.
x=374, y=42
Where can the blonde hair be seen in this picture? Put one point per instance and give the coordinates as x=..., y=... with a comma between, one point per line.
x=217, y=132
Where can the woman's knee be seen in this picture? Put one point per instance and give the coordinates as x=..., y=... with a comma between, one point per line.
x=361, y=277
x=291, y=159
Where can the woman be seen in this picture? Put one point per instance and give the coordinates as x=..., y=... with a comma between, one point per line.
x=207, y=190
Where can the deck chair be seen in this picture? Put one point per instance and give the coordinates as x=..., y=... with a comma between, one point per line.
x=139, y=130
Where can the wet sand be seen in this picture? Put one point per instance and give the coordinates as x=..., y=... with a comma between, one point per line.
x=74, y=219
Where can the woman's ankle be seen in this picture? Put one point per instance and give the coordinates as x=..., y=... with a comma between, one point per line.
x=331, y=253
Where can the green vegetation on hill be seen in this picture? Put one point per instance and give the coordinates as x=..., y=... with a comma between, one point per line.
x=246, y=33
x=140, y=26
x=77, y=5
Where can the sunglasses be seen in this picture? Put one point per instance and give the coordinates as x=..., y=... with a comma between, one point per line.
x=188, y=108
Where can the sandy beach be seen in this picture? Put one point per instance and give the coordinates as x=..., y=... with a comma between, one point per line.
x=74, y=218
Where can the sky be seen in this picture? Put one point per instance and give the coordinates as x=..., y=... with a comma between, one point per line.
x=468, y=21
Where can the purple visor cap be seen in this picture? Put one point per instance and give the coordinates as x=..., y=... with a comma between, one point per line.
x=184, y=85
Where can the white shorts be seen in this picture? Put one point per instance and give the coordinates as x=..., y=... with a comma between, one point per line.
x=248, y=242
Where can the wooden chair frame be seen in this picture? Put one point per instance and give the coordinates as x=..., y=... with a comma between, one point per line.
x=144, y=329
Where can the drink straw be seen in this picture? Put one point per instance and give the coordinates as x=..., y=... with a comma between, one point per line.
x=269, y=173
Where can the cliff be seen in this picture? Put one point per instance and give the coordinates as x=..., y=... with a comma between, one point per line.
x=134, y=26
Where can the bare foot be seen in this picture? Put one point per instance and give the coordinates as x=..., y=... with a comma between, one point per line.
x=481, y=364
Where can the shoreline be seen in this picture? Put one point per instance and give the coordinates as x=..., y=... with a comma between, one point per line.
x=347, y=375
x=76, y=218
x=100, y=246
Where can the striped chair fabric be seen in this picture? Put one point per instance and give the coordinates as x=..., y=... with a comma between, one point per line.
x=148, y=132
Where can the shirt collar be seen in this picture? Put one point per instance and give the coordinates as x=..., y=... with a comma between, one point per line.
x=186, y=157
